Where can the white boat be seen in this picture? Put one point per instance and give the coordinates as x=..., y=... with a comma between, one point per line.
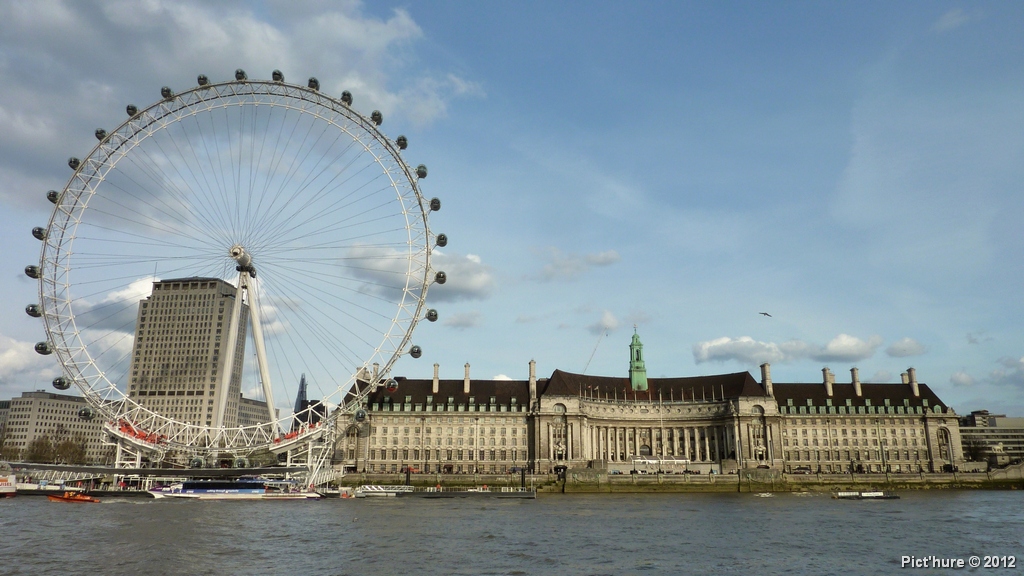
x=8, y=486
x=876, y=495
x=240, y=489
x=376, y=490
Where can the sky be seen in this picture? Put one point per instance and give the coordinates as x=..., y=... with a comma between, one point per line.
x=852, y=169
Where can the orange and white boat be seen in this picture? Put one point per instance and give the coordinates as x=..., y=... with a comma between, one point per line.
x=71, y=497
x=8, y=486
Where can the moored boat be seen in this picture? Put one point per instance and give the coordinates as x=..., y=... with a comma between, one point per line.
x=868, y=495
x=72, y=497
x=240, y=489
x=8, y=486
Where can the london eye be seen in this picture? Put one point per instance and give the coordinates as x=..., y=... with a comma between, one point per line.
x=293, y=208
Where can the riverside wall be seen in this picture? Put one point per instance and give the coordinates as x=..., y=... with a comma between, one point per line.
x=748, y=480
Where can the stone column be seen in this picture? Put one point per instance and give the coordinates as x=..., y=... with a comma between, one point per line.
x=707, y=443
x=686, y=442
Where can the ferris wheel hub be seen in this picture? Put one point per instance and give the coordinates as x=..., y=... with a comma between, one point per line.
x=239, y=254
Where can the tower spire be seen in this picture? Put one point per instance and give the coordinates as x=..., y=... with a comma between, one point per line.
x=637, y=370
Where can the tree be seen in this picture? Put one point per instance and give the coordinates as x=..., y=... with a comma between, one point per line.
x=975, y=450
x=40, y=450
x=70, y=451
x=9, y=453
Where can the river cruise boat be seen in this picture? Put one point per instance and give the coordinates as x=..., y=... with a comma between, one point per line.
x=240, y=489
x=8, y=486
x=856, y=495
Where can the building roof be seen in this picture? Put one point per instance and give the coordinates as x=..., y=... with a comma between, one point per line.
x=480, y=391
x=872, y=394
x=717, y=386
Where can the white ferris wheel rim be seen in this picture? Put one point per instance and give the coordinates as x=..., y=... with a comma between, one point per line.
x=58, y=258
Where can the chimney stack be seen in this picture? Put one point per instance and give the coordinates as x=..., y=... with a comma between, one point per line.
x=465, y=381
x=376, y=372
x=855, y=375
x=533, y=383
x=912, y=377
x=828, y=378
x=436, y=368
x=766, y=378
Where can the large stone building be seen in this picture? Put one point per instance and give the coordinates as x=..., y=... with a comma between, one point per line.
x=179, y=357
x=704, y=424
x=992, y=438
x=37, y=414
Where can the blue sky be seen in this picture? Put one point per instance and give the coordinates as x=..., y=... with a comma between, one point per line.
x=854, y=169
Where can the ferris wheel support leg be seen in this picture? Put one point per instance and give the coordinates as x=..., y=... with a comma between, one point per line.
x=229, y=353
x=261, y=350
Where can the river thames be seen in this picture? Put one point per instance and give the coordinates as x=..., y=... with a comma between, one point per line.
x=555, y=534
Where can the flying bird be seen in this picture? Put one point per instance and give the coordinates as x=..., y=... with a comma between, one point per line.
x=765, y=314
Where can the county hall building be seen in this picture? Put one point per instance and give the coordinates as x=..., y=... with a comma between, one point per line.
x=703, y=424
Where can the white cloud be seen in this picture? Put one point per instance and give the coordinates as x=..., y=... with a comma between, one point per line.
x=842, y=348
x=951, y=20
x=468, y=278
x=21, y=368
x=501, y=377
x=567, y=267
x=905, y=347
x=606, y=323
x=961, y=378
x=1010, y=373
x=463, y=320
x=881, y=376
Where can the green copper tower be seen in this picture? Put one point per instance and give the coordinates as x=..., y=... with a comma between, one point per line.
x=637, y=371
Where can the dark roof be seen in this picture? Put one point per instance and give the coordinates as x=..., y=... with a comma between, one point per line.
x=695, y=387
x=877, y=394
x=481, y=391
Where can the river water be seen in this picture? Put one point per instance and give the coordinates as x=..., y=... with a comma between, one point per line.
x=644, y=534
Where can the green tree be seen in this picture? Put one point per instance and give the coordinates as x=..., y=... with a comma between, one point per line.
x=40, y=450
x=8, y=452
x=70, y=451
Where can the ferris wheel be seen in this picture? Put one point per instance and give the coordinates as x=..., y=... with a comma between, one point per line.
x=236, y=212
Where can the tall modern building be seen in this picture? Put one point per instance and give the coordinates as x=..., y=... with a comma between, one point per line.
x=178, y=360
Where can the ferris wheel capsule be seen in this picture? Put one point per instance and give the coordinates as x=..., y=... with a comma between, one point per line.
x=421, y=171
x=33, y=310
x=415, y=352
x=402, y=142
x=360, y=415
x=377, y=117
x=44, y=348
x=441, y=240
x=39, y=233
x=313, y=83
x=391, y=385
x=32, y=271
x=100, y=134
x=53, y=196
x=202, y=80
x=435, y=204
x=440, y=277
x=240, y=75
x=346, y=97
x=74, y=163
x=277, y=76
x=86, y=413
x=131, y=109
x=432, y=315
x=167, y=93
x=61, y=383
x=196, y=462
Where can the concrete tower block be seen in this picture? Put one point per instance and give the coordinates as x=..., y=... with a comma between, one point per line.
x=437, y=367
x=465, y=380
